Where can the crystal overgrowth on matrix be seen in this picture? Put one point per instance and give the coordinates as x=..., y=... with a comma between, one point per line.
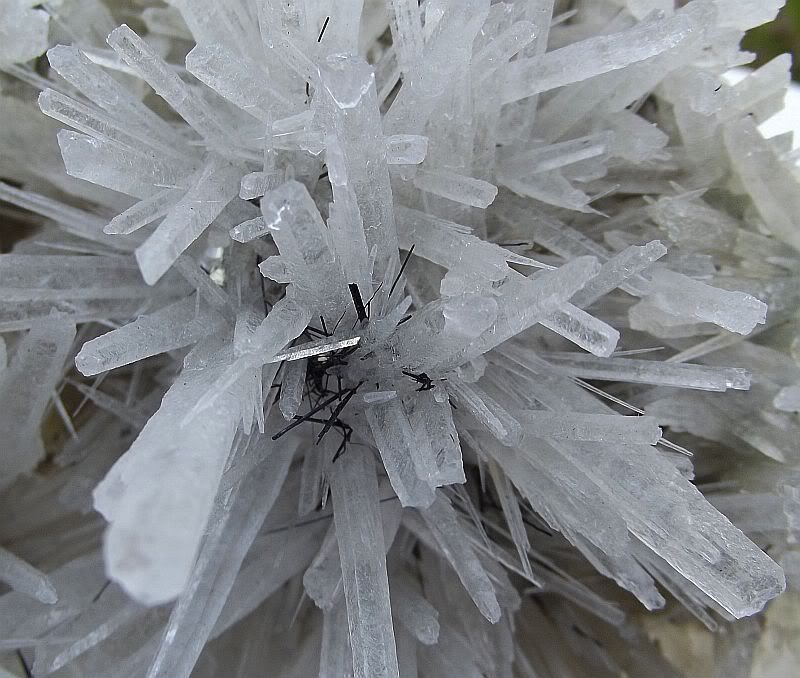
x=375, y=339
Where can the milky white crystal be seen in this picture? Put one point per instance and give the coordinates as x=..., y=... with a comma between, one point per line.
x=386, y=338
x=366, y=591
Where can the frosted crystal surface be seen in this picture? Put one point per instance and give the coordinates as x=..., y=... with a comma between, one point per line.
x=386, y=338
x=442, y=520
x=23, y=31
x=366, y=589
x=590, y=427
x=415, y=612
x=155, y=527
x=211, y=190
x=473, y=192
x=292, y=385
x=233, y=526
x=568, y=65
x=25, y=578
x=173, y=327
x=682, y=375
x=27, y=387
x=734, y=311
x=401, y=456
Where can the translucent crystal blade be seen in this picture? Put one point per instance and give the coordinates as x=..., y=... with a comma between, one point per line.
x=366, y=588
x=442, y=521
x=158, y=497
x=399, y=452
x=213, y=187
x=27, y=385
x=173, y=327
x=234, y=524
x=24, y=578
x=567, y=65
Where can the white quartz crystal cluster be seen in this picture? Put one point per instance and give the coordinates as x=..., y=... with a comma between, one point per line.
x=370, y=339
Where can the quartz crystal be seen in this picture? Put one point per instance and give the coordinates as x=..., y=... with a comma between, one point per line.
x=392, y=339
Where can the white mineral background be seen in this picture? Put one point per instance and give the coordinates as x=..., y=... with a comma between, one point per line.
x=397, y=338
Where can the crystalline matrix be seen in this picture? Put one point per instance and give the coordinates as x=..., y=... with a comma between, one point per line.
x=348, y=338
